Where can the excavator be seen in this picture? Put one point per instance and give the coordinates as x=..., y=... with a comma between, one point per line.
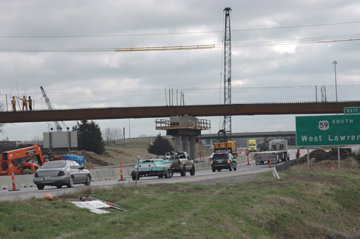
x=22, y=161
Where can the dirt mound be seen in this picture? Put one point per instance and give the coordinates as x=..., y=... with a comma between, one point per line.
x=328, y=161
x=350, y=164
x=320, y=155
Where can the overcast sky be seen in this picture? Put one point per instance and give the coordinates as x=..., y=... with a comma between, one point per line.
x=67, y=47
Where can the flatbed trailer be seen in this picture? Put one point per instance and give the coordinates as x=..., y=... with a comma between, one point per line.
x=271, y=156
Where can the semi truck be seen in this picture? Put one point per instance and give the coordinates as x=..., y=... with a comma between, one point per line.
x=276, y=152
x=251, y=145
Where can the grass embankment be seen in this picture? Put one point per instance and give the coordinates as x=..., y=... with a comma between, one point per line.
x=300, y=205
x=125, y=152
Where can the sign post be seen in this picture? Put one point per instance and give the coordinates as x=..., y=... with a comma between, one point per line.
x=328, y=130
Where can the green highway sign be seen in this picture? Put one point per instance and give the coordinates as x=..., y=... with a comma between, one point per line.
x=328, y=130
x=352, y=110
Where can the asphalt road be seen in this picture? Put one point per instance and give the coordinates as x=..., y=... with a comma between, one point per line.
x=242, y=169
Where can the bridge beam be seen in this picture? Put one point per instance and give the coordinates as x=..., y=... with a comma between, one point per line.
x=167, y=111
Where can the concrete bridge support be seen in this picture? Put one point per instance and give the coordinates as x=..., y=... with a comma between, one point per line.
x=178, y=143
x=185, y=143
x=192, y=152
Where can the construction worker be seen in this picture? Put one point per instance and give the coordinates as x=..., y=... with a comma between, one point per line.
x=13, y=102
x=24, y=101
x=30, y=103
x=298, y=154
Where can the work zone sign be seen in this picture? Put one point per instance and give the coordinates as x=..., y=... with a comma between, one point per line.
x=327, y=130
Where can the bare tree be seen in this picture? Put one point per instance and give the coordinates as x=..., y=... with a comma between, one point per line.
x=110, y=135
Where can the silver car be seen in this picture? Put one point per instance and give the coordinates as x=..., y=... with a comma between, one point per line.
x=62, y=172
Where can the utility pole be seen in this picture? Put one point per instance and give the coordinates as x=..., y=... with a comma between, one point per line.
x=226, y=132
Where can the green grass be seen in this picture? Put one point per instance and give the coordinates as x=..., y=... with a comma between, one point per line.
x=300, y=205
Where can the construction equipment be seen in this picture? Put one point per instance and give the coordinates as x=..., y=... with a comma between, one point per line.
x=21, y=161
x=226, y=145
x=48, y=103
x=227, y=73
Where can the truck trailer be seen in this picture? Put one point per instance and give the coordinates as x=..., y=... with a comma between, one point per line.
x=277, y=151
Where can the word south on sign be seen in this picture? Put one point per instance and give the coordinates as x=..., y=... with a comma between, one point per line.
x=332, y=130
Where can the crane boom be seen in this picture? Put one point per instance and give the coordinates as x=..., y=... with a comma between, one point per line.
x=225, y=132
x=48, y=103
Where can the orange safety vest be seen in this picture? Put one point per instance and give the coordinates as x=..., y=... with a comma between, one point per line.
x=24, y=101
x=30, y=101
x=14, y=101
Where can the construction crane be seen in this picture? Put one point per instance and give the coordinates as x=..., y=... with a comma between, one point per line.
x=225, y=132
x=48, y=103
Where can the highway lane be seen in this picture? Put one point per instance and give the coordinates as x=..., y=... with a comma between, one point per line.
x=242, y=169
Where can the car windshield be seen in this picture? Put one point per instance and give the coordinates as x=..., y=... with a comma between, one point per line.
x=57, y=164
x=220, y=156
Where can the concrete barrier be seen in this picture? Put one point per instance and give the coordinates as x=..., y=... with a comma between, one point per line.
x=104, y=175
x=116, y=173
x=94, y=177
x=5, y=182
x=30, y=180
x=21, y=181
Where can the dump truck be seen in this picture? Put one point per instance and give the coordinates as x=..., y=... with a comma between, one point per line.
x=22, y=161
x=276, y=152
x=226, y=147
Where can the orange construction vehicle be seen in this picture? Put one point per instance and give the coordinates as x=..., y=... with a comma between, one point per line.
x=22, y=161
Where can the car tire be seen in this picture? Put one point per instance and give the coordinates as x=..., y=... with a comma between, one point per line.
x=40, y=187
x=231, y=168
x=192, y=171
x=59, y=186
x=213, y=169
x=183, y=171
x=219, y=170
x=161, y=176
x=88, y=181
x=26, y=171
x=71, y=182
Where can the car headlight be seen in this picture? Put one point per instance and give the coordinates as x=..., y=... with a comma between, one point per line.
x=61, y=173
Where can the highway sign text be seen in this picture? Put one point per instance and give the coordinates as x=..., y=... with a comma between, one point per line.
x=327, y=130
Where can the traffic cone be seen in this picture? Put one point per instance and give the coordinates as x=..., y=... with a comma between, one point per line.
x=13, y=181
x=269, y=162
x=121, y=173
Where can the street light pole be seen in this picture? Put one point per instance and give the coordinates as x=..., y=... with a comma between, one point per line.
x=335, y=62
x=338, y=148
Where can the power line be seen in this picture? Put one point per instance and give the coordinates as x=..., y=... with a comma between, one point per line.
x=176, y=33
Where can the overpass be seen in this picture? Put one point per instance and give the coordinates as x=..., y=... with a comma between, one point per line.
x=167, y=111
x=253, y=135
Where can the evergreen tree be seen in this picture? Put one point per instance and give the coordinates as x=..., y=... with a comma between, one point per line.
x=89, y=137
x=159, y=145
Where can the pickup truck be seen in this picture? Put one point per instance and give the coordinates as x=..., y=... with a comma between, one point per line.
x=181, y=162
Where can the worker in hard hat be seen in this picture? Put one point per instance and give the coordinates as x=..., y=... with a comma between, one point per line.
x=13, y=102
x=24, y=102
x=30, y=103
